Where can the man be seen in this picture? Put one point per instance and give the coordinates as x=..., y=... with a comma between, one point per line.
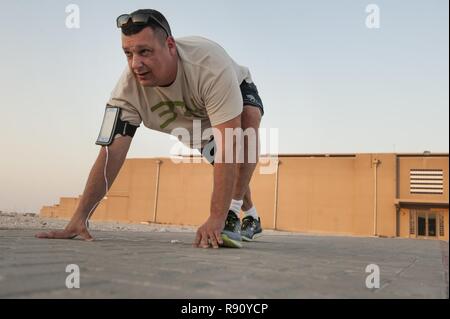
x=168, y=85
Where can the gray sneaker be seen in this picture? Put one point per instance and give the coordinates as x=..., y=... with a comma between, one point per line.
x=251, y=228
x=232, y=227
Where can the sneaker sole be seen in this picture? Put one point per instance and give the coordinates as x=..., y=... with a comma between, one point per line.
x=253, y=238
x=230, y=243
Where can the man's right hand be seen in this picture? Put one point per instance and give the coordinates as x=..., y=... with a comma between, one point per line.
x=94, y=190
x=70, y=232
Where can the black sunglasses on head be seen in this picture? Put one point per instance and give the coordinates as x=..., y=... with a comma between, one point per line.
x=139, y=18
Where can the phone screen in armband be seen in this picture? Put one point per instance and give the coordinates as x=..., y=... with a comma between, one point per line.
x=110, y=118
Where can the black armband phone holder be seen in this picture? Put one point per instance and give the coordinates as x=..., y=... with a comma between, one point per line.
x=112, y=125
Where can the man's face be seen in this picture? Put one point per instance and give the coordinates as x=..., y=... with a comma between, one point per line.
x=151, y=61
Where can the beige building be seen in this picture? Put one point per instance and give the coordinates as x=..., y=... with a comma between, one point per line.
x=392, y=195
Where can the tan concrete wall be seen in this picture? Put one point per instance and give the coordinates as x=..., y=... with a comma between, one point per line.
x=404, y=223
x=363, y=195
x=333, y=194
x=130, y=199
x=386, y=182
x=184, y=193
x=263, y=187
x=314, y=196
x=142, y=189
x=49, y=211
x=336, y=194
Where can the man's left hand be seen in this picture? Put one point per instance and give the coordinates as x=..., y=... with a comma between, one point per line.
x=209, y=233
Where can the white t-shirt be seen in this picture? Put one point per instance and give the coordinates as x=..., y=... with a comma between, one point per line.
x=206, y=88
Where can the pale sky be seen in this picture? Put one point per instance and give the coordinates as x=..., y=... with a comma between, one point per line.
x=329, y=84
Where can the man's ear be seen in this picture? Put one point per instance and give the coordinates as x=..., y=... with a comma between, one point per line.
x=171, y=44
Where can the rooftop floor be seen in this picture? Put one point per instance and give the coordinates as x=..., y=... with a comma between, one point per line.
x=131, y=264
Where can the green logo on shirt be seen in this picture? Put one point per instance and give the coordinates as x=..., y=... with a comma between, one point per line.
x=169, y=110
x=169, y=107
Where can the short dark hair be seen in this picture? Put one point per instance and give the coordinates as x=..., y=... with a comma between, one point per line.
x=130, y=28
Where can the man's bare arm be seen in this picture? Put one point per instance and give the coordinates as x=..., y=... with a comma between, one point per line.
x=224, y=178
x=95, y=189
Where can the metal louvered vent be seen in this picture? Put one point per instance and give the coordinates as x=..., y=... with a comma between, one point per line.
x=426, y=181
